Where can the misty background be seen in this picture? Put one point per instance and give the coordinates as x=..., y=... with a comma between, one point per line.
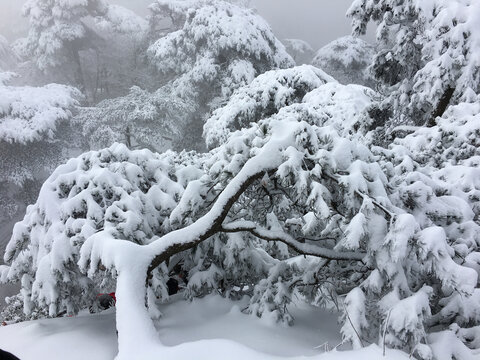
x=316, y=21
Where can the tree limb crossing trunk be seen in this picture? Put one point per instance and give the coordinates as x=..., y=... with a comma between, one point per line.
x=211, y=230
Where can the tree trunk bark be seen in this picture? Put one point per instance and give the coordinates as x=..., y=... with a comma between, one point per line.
x=79, y=79
x=441, y=106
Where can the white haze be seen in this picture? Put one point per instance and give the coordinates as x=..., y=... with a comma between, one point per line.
x=315, y=21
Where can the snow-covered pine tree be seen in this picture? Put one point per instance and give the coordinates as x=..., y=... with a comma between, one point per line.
x=347, y=59
x=428, y=58
x=299, y=50
x=436, y=171
x=215, y=48
x=197, y=73
x=34, y=129
x=88, y=44
x=57, y=33
x=298, y=177
x=140, y=120
x=199, y=58
x=424, y=253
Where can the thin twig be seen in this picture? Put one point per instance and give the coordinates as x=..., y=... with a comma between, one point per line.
x=385, y=330
x=351, y=324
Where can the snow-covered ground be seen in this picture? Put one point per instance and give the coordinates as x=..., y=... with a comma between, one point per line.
x=210, y=328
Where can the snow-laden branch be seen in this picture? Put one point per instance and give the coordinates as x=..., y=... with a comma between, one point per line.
x=388, y=214
x=301, y=248
x=211, y=223
x=135, y=264
x=207, y=226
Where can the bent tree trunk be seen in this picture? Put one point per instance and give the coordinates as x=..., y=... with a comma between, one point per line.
x=135, y=263
x=136, y=332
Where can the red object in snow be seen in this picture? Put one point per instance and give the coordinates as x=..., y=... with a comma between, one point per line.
x=113, y=296
x=106, y=301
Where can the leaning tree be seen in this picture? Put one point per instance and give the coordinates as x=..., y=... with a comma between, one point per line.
x=290, y=200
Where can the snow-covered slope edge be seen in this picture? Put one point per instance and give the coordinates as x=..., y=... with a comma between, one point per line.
x=210, y=328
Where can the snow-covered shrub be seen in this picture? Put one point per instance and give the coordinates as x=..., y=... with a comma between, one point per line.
x=347, y=59
x=129, y=193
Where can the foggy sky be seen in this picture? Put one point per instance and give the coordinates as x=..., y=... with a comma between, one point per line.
x=315, y=21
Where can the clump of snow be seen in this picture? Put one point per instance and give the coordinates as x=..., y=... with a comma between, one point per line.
x=268, y=92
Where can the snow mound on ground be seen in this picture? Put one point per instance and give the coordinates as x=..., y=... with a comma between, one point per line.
x=209, y=328
x=83, y=337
